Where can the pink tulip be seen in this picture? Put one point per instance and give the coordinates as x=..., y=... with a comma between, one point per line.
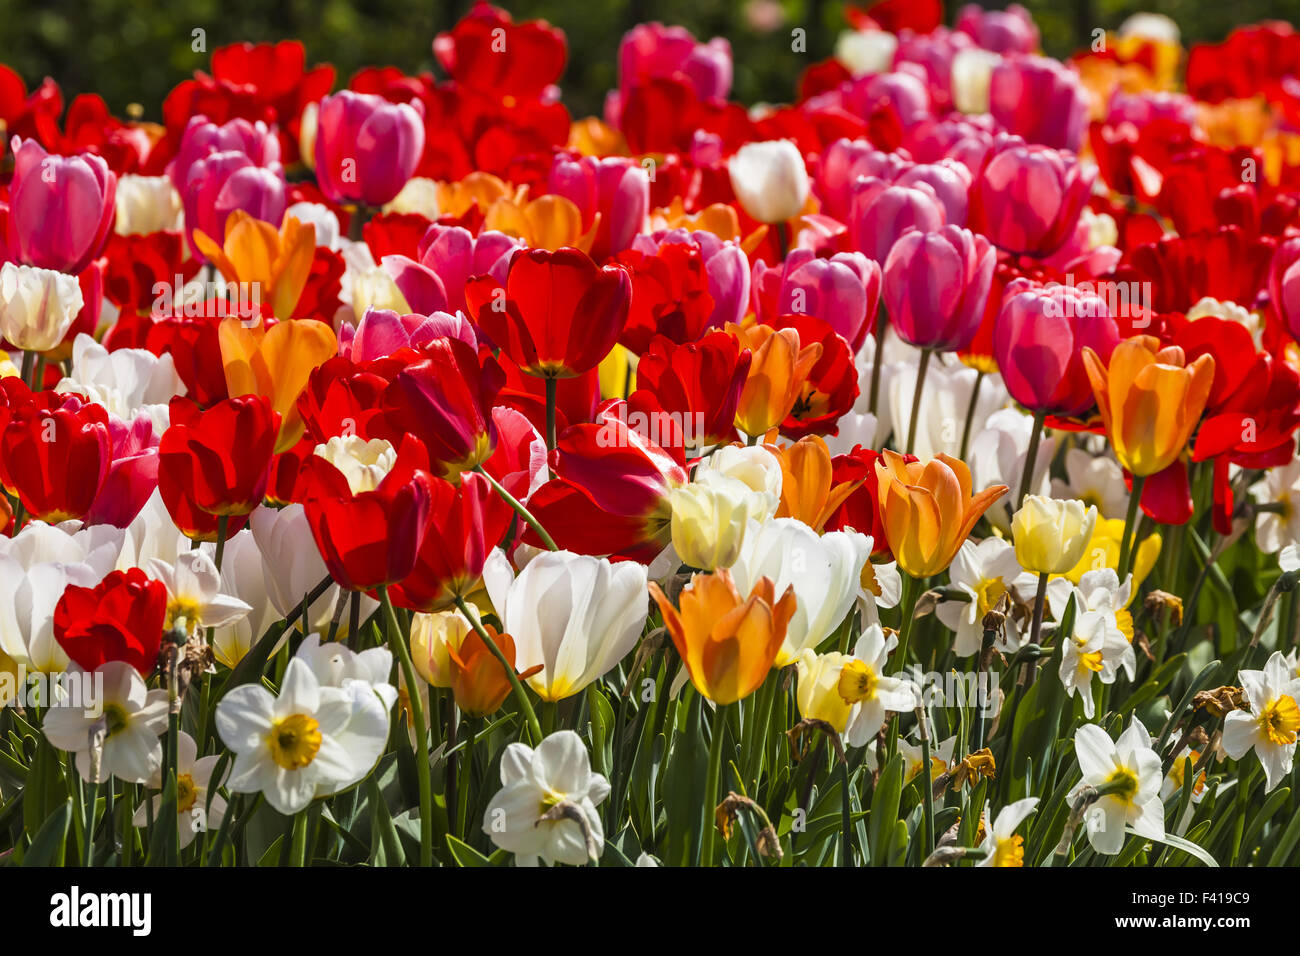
x=724, y=261
x=1041, y=100
x=454, y=255
x=382, y=332
x=1003, y=31
x=1027, y=198
x=60, y=208
x=880, y=213
x=936, y=285
x=652, y=50
x=1145, y=107
x=366, y=147
x=1038, y=343
x=202, y=138
x=842, y=290
x=933, y=53
x=847, y=160
x=950, y=181
x=901, y=93
x=220, y=183
x=616, y=188
x=1284, y=284
x=132, y=476
x=966, y=139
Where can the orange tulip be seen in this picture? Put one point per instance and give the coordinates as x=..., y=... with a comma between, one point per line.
x=547, y=222
x=927, y=509
x=807, y=491
x=777, y=374
x=274, y=262
x=728, y=642
x=477, y=190
x=275, y=363
x=1150, y=400
x=593, y=137
x=478, y=681
x=718, y=218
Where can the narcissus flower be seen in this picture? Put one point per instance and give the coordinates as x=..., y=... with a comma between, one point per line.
x=557, y=315
x=193, y=783
x=195, y=596
x=728, y=641
x=851, y=692
x=985, y=572
x=119, y=619
x=1150, y=400
x=928, y=510
x=546, y=808
x=573, y=617
x=270, y=265
x=1001, y=845
x=1132, y=768
x=134, y=716
x=1052, y=536
x=1273, y=721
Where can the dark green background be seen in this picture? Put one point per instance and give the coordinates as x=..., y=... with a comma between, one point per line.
x=129, y=51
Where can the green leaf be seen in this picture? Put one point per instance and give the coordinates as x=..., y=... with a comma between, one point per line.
x=884, y=810
x=48, y=847
x=1178, y=843
x=464, y=854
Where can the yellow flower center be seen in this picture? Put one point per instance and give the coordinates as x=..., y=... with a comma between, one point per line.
x=185, y=608
x=868, y=579
x=1090, y=662
x=294, y=741
x=1177, y=773
x=857, y=682
x=1010, y=852
x=1124, y=620
x=1126, y=784
x=1280, y=720
x=988, y=594
x=186, y=793
x=115, y=718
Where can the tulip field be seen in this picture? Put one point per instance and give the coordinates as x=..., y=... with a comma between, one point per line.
x=400, y=469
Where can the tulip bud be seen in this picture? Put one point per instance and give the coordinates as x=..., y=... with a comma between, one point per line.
x=709, y=520
x=1051, y=536
x=936, y=286
x=37, y=306
x=770, y=180
x=366, y=148
x=60, y=208
x=433, y=635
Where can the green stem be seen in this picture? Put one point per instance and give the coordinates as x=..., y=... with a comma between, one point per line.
x=466, y=770
x=877, y=360
x=520, y=694
x=970, y=414
x=519, y=507
x=846, y=817
x=552, y=386
x=298, y=845
x=223, y=525
x=1031, y=457
x=907, y=605
x=1128, y=545
x=711, y=784
x=916, y=400
x=88, y=844
x=927, y=787
x=397, y=641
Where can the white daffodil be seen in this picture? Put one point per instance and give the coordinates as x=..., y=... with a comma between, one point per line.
x=1173, y=782
x=194, y=592
x=133, y=718
x=546, y=807
x=914, y=758
x=985, y=571
x=1274, y=530
x=362, y=675
x=824, y=570
x=127, y=382
x=1273, y=721
x=997, y=457
x=1093, y=648
x=193, y=784
x=287, y=747
x=880, y=586
x=1130, y=768
x=1098, y=591
x=851, y=692
x=1001, y=845
x=36, y=565
x=575, y=615
x=1094, y=480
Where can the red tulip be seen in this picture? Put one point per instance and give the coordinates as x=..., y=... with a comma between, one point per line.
x=699, y=383
x=120, y=619
x=220, y=458
x=558, y=314
x=56, y=459
x=489, y=52
x=670, y=295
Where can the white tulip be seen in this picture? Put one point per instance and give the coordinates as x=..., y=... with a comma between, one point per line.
x=147, y=204
x=972, y=74
x=37, y=306
x=770, y=180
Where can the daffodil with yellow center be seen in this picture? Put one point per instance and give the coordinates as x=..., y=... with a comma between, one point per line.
x=851, y=693
x=294, y=741
x=1271, y=724
x=1001, y=844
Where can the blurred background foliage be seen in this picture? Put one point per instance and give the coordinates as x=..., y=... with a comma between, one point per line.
x=134, y=52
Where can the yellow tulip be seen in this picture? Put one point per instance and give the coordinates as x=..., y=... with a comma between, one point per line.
x=275, y=363
x=1150, y=400
x=274, y=262
x=433, y=636
x=1102, y=551
x=727, y=641
x=1050, y=535
x=928, y=510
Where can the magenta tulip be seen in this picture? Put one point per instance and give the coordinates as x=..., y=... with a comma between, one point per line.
x=1038, y=342
x=1284, y=284
x=617, y=189
x=1041, y=100
x=454, y=255
x=202, y=138
x=366, y=147
x=950, y=181
x=936, y=285
x=1003, y=31
x=220, y=183
x=844, y=162
x=60, y=208
x=880, y=213
x=382, y=332
x=1027, y=198
x=842, y=291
